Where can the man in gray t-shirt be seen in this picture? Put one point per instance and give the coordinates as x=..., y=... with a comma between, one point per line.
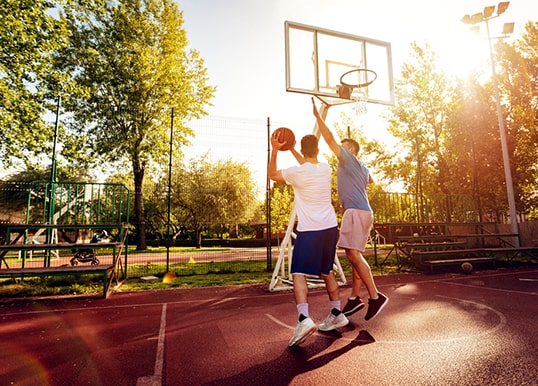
x=353, y=179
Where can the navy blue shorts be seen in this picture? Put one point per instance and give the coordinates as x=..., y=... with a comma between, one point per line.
x=314, y=251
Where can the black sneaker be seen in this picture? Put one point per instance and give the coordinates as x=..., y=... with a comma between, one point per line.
x=353, y=306
x=375, y=306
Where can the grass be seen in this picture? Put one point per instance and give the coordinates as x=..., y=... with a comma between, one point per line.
x=187, y=275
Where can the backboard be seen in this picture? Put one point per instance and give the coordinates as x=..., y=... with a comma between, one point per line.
x=317, y=58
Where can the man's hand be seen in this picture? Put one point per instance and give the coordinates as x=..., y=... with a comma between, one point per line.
x=275, y=141
x=316, y=112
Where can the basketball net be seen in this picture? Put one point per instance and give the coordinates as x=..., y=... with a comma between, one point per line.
x=360, y=99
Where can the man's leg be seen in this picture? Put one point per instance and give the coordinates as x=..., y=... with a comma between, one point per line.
x=354, y=302
x=361, y=268
x=300, y=289
x=376, y=300
x=336, y=318
x=356, y=283
x=306, y=326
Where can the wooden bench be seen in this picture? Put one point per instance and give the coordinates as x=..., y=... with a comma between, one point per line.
x=109, y=272
x=472, y=255
x=532, y=252
x=436, y=263
x=481, y=238
x=448, y=245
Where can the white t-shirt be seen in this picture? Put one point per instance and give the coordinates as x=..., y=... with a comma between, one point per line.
x=312, y=187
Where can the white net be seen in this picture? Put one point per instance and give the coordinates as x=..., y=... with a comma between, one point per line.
x=360, y=99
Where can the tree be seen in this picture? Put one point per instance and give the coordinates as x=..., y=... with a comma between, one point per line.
x=206, y=195
x=131, y=67
x=426, y=99
x=518, y=74
x=282, y=197
x=28, y=35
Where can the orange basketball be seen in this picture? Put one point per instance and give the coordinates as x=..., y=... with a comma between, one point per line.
x=285, y=135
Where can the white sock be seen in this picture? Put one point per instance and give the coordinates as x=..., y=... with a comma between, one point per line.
x=302, y=308
x=336, y=304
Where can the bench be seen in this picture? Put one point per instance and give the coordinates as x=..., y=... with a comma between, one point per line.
x=470, y=255
x=109, y=272
x=435, y=263
x=448, y=245
x=481, y=238
x=423, y=256
x=532, y=252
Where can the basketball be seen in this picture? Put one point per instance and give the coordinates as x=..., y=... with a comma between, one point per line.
x=169, y=277
x=285, y=135
x=467, y=267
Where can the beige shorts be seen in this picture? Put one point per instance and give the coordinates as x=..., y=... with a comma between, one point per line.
x=355, y=229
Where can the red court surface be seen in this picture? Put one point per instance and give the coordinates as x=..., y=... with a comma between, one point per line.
x=446, y=329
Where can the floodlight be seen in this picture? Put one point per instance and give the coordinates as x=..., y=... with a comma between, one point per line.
x=477, y=18
x=508, y=28
x=466, y=19
x=488, y=11
x=501, y=8
x=475, y=30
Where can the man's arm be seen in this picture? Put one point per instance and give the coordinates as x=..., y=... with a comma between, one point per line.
x=274, y=173
x=298, y=156
x=325, y=132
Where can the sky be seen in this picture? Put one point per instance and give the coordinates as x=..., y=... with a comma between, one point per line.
x=242, y=43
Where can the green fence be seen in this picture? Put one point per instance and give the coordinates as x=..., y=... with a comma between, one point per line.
x=77, y=203
x=411, y=208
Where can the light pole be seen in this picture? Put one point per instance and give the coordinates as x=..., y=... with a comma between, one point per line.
x=485, y=16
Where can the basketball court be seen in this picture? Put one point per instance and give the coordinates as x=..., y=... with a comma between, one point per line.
x=436, y=329
x=446, y=329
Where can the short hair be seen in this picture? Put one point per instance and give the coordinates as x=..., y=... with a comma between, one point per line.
x=309, y=145
x=354, y=145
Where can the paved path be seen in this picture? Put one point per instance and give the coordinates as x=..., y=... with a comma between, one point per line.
x=450, y=329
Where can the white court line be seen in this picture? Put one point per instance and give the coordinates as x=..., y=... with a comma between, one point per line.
x=157, y=378
x=484, y=332
x=492, y=289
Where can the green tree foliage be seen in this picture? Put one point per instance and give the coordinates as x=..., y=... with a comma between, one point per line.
x=282, y=199
x=204, y=196
x=473, y=142
x=28, y=34
x=426, y=100
x=518, y=76
x=128, y=67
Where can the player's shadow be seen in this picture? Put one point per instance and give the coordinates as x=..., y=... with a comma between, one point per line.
x=295, y=361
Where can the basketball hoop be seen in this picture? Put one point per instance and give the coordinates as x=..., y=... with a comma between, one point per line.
x=357, y=81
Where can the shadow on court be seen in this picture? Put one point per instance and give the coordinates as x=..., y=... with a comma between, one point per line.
x=436, y=329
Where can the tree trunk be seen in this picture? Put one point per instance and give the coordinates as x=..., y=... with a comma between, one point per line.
x=139, y=208
x=198, y=238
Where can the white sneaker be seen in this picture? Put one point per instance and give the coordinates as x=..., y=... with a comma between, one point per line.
x=302, y=331
x=333, y=322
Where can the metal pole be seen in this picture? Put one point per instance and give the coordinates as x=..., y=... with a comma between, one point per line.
x=268, y=200
x=168, y=241
x=53, y=167
x=52, y=191
x=506, y=158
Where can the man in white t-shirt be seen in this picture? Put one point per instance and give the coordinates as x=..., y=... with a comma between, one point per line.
x=317, y=232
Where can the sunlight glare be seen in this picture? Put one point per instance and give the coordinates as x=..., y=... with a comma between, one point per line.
x=463, y=53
